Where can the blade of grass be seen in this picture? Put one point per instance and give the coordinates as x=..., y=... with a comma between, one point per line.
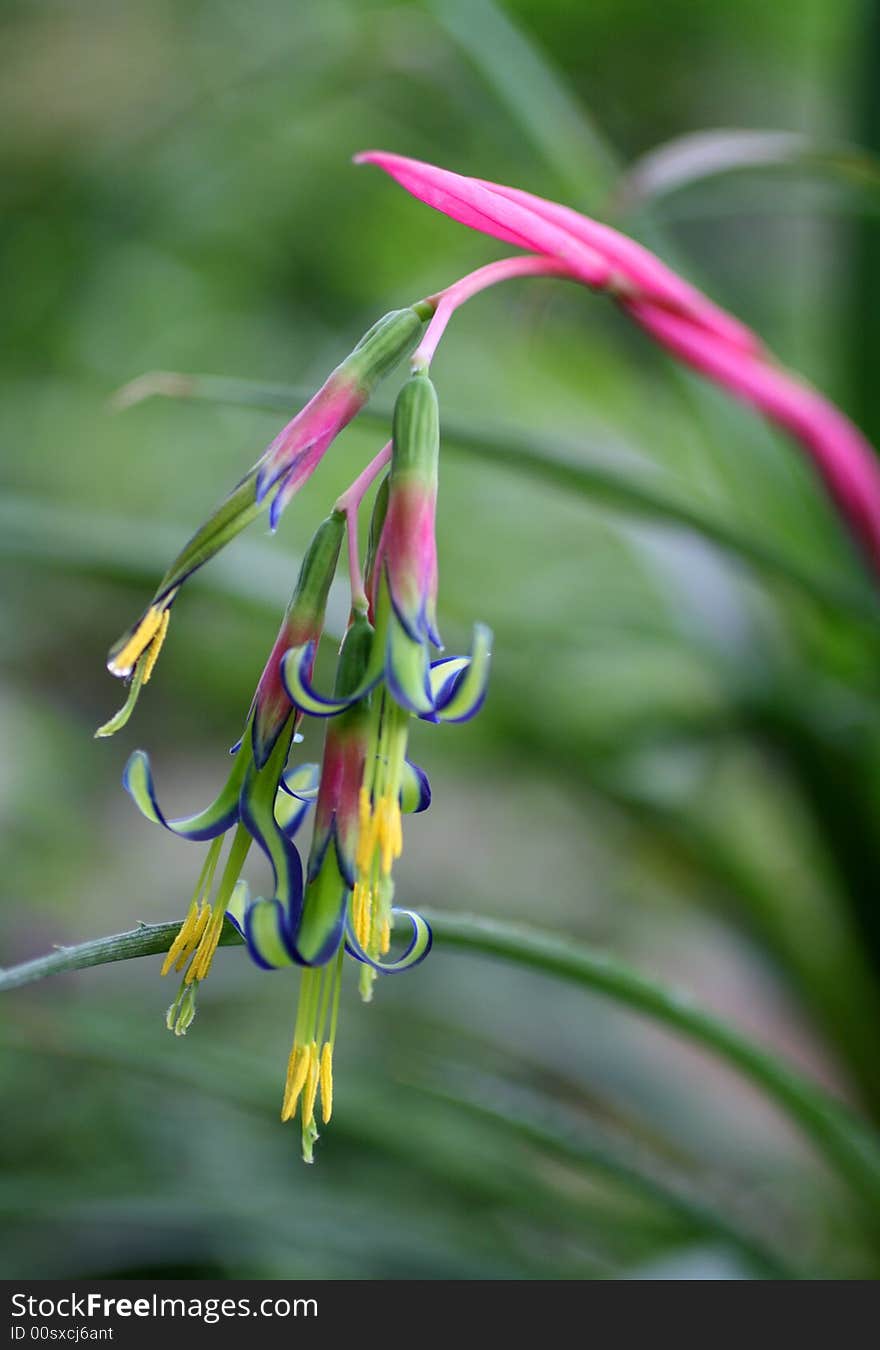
x=849, y=1146
x=704, y=155
x=131, y=550
x=531, y=91
x=557, y=462
x=558, y=1132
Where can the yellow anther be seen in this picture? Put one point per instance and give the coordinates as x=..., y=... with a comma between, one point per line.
x=390, y=833
x=185, y=942
x=210, y=937
x=297, y=1071
x=122, y=663
x=385, y=938
x=195, y=936
x=367, y=827
x=364, y=810
x=327, y=1082
x=363, y=915
x=311, y=1089
x=155, y=647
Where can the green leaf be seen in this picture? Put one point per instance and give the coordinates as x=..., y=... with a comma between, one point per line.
x=707, y=155
x=851, y=1148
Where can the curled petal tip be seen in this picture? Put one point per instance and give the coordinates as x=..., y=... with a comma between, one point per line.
x=420, y=943
x=295, y=670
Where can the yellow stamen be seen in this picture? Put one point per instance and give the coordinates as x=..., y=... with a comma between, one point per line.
x=397, y=830
x=311, y=1089
x=389, y=831
x=187, y=938
x=297, y=1070
x=385, y=938
x=367, y=825
x=327, y=1082
x=123, y=662
x=196, y=937
x=155, y=647
x=208, y=940
x=363, y=916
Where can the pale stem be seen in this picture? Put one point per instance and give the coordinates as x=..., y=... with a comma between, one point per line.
x=448, y=301
x=348, y=505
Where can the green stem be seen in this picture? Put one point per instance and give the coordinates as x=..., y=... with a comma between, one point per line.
x=847, y=1144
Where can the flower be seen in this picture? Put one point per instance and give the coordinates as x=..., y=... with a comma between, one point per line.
x=674, y=314
x=402, y=586
x=384, y=677
x=290, y=459
x=262, y=800
x=366, y=784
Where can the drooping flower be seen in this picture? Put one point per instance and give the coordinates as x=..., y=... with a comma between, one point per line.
x=674, y=314
x=384, y=678
x=262, y=800
x=402, y=586
x=366, y=784
x=316, y=936
x=289, y=460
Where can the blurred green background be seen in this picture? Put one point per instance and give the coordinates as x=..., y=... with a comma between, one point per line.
x=679, y=757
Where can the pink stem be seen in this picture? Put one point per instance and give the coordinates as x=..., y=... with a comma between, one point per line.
x=348, y=504
x=448, y=301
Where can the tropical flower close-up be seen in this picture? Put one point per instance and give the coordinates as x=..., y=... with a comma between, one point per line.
x=515, y=492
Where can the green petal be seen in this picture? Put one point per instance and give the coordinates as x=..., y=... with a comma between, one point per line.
x=137, y=779
x=323, y=918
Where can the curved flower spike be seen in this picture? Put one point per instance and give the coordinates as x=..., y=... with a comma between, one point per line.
x=366, y=784
x=469, y=201
x=289, y=460
x=674, y=314
x=643, y=269
x=263, y=801
x=595, y=253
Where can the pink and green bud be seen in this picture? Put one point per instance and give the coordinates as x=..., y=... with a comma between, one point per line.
x=299, y=447
x=407, y=549
x=404, y=571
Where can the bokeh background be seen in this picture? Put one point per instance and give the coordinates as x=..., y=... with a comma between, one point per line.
x=678, y=760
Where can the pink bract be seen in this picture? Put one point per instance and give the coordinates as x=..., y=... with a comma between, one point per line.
x=673, y=313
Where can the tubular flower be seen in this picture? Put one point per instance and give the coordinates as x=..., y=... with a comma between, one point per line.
x=316, y=935
x=261, y=801
x=677, y=316
x=402, y=587
x=384, y=678
x=366, y=784
x=291, y=458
